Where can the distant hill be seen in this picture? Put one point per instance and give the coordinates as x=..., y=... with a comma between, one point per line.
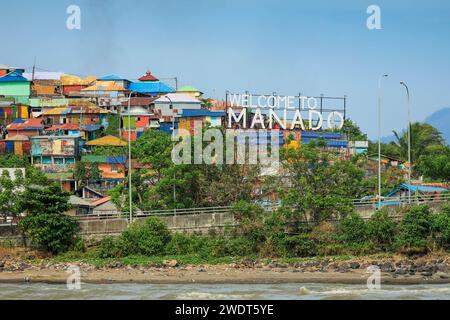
x=441, y=121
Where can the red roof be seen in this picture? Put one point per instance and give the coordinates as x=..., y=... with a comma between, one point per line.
x=139, y=101
x=101, y=201
x=64, y=126
x=32, y=124
x=148, y=77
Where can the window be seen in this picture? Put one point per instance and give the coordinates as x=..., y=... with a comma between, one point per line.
x=114, y=167
x=70, y=160
x=37, y=160
x=47, y=160
x=58, y=160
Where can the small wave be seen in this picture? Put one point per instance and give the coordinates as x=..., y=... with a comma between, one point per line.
x=304, y=291
x=213, y=296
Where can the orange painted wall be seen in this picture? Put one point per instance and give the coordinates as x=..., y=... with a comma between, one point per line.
x=107, y=173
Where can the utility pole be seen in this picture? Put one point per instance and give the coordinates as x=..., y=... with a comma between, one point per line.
x=409, y=140
x=379, y=139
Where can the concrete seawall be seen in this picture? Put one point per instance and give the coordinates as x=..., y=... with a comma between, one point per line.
x=202, y=223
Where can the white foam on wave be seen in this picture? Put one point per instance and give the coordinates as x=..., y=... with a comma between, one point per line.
x=195, y=295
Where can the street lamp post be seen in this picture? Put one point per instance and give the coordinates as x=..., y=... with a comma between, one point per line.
x=379, y=139
x=129, y=158
x=409, y=140
x=173, y=145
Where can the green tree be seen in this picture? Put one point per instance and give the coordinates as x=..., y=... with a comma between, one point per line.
x=45, y=223
x=381, y=229
x=353, y=131
x=436, y=165
x=320, y=185
x=10, y=193
x=414, y=230
x=423, y=138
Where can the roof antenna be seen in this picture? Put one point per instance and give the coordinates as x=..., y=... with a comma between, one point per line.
x=34, y=67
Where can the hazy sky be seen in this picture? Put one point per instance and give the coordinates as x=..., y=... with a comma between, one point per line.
x=264, y=46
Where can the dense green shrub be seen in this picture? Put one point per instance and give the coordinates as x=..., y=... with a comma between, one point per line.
x=414, y=230
x=440, y=227
x=148, y=238
x=352, y=230
x=301, y=246
x=180, y=244
x=108, y=248
x=381, y=229
x=240, y=246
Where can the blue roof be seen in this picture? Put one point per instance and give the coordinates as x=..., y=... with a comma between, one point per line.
x=92, y=127
x=202, y=113
x=150, y=87
x=330, y=143
x=318, y=134
x=18, y=120
x=13, y=77
x=415, y=188
x=111, y=77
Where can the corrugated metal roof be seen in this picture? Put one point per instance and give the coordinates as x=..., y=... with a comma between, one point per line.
x=101, y=201
x=65, y=126
x=104, y=159
x=43, y=75
x=104, y=87
x=29, y=124
x=13, y=77
x=92, y=127
x=415, y=188
x=151, y=87
x=111, y=77
x=177, y=97
x=188, y=89
x=77, y=201
x=56, y=111
x=107, y=141
x=202, y=113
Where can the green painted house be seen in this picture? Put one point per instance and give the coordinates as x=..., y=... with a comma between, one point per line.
x=15, y=85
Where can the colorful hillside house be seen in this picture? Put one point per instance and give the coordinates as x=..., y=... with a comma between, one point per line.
x=19, y=145
x=174, y=104
x=190, y=118
x=30, y=128
x=192, y=91
x=14, y=84
x=72, y=85
x=150, y=85
x=109, y=140
x=107, y=86
x=137, y=121
x=91, y=120
x=56, y=157
x=65, y=129
x=112, y=170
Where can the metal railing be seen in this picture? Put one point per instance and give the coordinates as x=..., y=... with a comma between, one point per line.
x=373, y=202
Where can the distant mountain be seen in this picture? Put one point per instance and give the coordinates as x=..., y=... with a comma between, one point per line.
x=441, y=121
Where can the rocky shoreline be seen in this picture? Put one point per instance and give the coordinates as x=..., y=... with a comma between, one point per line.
x=395, y=270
